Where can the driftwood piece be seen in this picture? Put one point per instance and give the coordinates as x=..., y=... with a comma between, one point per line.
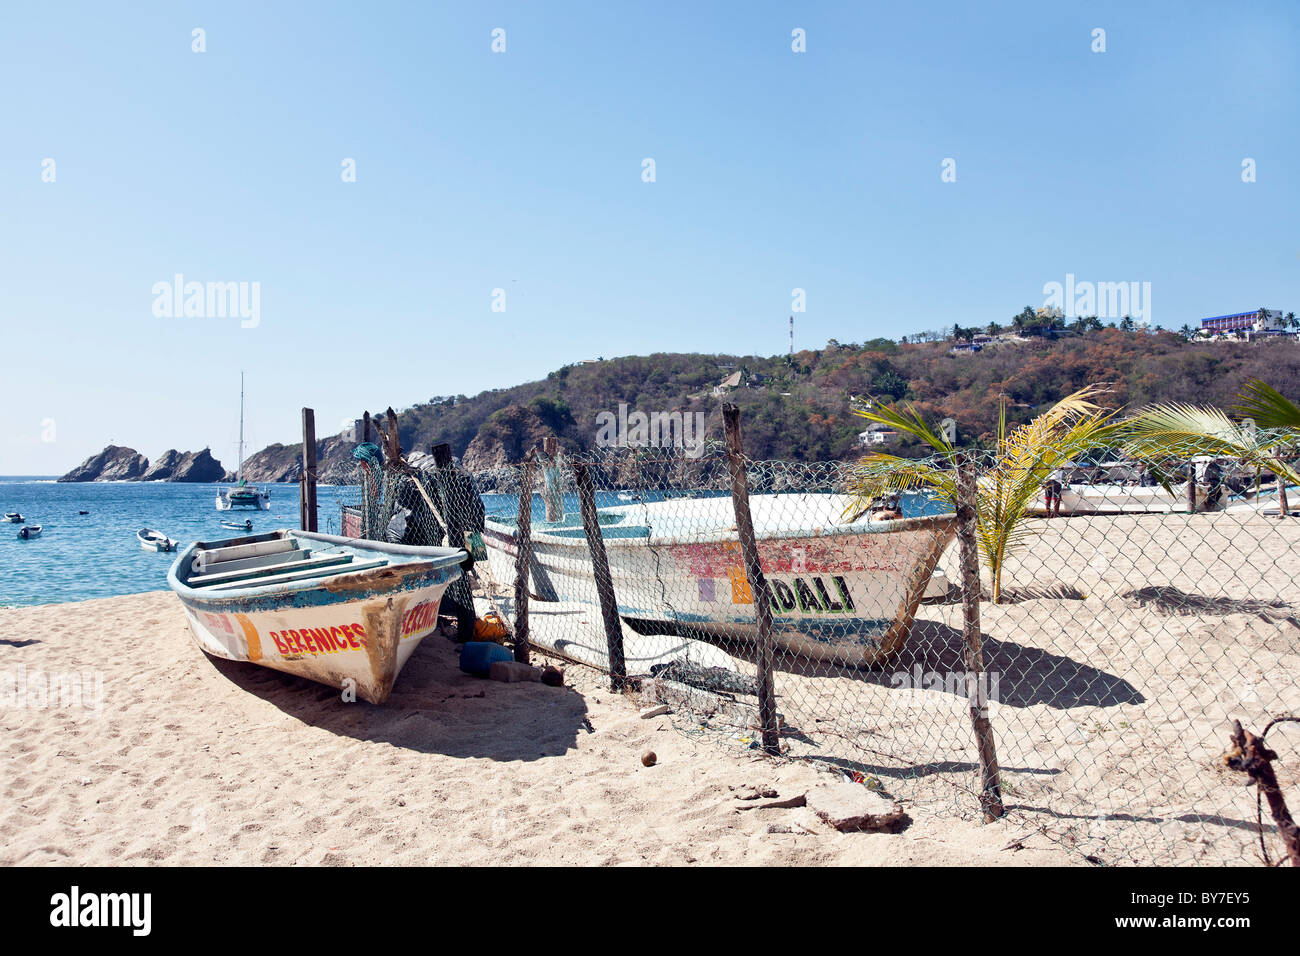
x=1250, y=756
x=800, y=800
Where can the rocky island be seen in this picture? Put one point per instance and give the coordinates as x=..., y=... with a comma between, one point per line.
x=116, y=463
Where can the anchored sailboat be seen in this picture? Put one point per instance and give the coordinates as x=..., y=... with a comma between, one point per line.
x=242, y=495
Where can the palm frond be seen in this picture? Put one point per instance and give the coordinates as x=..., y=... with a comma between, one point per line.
x=1026, y=456
x=1183, y=431
x=1268, y=407
x=878, y=475
x=903, y=418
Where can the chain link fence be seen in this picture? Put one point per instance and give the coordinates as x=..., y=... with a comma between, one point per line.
x=1137, y=615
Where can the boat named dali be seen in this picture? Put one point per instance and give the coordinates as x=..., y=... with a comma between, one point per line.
x=840, y=591
x=14, y=517
x=27, y=532
x=155, y=540
x=339, y=611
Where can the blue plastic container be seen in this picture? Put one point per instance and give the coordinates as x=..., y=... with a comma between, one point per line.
x=477, y=657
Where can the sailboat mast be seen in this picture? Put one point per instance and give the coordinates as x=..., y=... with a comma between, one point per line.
x=239, y=471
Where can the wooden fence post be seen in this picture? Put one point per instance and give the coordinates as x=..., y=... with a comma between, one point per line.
x=454, y=512
x=604, y=582
x=757, y=582
x=551, y=480
x=976, y=681
x=1191, y=487
x=523, y=545
x=307, y=486
x=1284, y=507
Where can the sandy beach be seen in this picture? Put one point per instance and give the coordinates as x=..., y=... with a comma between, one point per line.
x=196, y=761
x=1129, y=645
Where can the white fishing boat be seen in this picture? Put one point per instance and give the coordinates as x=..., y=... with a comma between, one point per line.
x=1083, y=499
x=242, y=495
x=154, y=540
x=339, y=611
x=14, y=517
x=1268, y=502
x=840, y=591
x=27, y=532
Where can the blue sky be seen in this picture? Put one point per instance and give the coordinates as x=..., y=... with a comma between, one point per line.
x=522, y=171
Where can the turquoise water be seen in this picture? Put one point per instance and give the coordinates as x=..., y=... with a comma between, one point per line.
x=95, y=555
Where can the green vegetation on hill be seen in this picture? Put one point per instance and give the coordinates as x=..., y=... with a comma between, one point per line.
x=799, y=408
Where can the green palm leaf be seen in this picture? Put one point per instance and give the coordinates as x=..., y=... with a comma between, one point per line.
x=1184, y=431
x=1026, y=457
x=1268, y=407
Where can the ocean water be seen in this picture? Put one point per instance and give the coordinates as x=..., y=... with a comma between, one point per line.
x=78, y=557
x=96, y=555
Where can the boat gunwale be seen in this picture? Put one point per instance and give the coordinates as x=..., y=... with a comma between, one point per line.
x=344, y=587
x=915, y=523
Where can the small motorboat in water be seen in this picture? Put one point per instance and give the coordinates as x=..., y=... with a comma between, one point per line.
x=27, y=532
x=14, y=517
x=154, y=540
x=339, y=611
x=239, y=525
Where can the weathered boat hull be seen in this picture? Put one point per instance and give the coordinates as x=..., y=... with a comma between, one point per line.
x=845, y=593
x=354, y=631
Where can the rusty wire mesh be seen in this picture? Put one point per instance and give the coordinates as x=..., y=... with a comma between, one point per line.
x=1123, y=644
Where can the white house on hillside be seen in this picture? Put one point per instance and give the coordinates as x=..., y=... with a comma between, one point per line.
x=877, y=434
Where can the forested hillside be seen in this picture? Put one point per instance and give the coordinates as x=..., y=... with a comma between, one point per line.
x=799, y=408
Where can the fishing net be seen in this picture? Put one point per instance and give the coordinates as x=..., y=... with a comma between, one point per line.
x=1117, y=640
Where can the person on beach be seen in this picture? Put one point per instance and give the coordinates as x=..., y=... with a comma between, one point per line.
x=887, y=508
x=1213, y=481
x=1052, y=493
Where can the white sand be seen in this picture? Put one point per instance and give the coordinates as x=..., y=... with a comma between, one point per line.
x=1110, y=718
x=194, y=761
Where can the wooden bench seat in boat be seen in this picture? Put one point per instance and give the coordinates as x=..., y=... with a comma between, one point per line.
x=206, y=557
x=288, y=576
x=260, y=561
x=264, y=570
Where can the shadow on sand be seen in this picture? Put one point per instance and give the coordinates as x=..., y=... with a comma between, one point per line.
x=1019, y=676
x=434, y=708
